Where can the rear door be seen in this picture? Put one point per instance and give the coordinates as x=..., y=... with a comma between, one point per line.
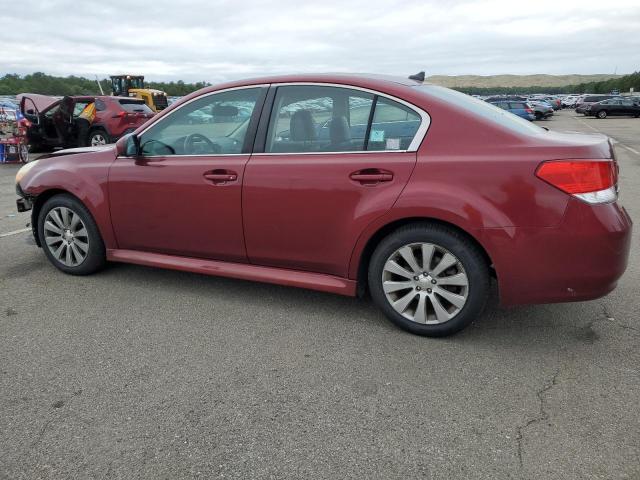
x=328, y=161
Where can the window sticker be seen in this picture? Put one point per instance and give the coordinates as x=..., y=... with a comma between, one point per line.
x=393, y=144
x=376, y=136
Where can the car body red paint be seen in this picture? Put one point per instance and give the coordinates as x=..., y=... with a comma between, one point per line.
x=301, y=220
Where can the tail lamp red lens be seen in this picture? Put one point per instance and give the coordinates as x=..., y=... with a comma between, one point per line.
x=579, y=176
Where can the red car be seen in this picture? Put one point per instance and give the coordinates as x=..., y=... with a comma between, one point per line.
x=414, y=192
x=54, y=121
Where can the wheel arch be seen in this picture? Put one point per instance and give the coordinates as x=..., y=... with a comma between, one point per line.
x=383, y=231
x=42, y=198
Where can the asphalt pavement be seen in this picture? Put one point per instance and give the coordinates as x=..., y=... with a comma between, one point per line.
x=143, y=373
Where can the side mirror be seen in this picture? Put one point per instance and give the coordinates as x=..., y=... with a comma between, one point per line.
x=128, y=146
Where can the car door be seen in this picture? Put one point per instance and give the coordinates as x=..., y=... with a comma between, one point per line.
x=328, y=161
x=181, y=195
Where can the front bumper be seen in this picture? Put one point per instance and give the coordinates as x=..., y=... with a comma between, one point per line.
x=24, y=203
x=581, y=259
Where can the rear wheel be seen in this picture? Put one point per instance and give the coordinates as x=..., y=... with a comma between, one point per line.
x=70, y=237
x=98, y=138
x=429, y=279
x=601, y=114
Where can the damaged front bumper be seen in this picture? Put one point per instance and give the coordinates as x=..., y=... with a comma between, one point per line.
x=24, y=202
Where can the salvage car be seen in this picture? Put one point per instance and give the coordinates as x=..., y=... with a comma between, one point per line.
x=615, y=107
x=54, y=121
x=418, y=194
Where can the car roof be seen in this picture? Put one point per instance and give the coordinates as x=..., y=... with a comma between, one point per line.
x=356, y=79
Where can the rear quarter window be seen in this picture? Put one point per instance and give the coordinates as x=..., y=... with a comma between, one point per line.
x=134, y=106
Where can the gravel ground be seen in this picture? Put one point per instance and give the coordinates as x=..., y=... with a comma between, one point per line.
x=143, y=373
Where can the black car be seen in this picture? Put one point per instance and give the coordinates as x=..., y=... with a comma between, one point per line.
x=615, y=106
x=584, y=102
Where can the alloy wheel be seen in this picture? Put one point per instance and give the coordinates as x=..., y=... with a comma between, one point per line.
x=425, y=283
x=66, y=236
x=98, y=139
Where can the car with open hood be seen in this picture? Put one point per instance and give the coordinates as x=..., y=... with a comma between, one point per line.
x=55, y=121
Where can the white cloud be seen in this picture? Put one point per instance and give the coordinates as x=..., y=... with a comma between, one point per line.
x=221, y=39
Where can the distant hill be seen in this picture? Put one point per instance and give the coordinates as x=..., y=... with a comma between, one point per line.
x=493, y=81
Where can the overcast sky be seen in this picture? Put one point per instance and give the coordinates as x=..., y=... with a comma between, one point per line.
x=214, y=40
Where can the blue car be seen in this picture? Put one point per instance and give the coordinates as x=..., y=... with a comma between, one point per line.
x=522, y=109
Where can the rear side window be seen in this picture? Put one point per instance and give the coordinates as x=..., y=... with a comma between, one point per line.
x=520, y=106
x=394, y=126
x=314, y=118
x=133, y=106
x=100, y=105
x=310, y=118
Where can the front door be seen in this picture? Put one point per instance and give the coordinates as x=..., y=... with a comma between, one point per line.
x=182, y=194
x=334, y=160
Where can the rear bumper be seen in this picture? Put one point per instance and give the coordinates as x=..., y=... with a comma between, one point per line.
x=581, y=259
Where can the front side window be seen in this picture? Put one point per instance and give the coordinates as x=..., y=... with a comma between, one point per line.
x=214, y=124
x=309, y=118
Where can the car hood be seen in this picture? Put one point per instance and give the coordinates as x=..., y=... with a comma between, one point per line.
x=41, y=102
x=73, y=151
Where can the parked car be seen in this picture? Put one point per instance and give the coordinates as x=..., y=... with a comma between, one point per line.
x=419, y=194
x=54, y=121
x=584, y=102
x=520, y=109
x=569, y=101
x=541, y=109
x=614, y=107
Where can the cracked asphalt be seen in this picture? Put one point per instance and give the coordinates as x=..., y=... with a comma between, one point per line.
x=143, y=373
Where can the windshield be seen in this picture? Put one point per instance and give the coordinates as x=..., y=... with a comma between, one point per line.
x=483, y=109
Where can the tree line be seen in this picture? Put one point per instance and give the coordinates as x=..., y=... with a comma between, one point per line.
x=623, y=84
x=13, y=84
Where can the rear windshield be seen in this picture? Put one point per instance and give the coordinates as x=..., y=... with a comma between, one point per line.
x=483, y=109
x=135, y=106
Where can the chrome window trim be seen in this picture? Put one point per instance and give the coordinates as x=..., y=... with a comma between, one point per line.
x=413, y=146
x=415, y=142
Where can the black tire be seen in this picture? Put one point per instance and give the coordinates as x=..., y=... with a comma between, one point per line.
x=473, y=261
x=539, y=115
x=95, y=258
x=98, y=132
x=601, y=114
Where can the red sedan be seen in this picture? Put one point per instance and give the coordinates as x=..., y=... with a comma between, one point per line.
x=414, y=192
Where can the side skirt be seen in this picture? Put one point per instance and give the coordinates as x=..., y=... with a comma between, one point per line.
x=244, y=271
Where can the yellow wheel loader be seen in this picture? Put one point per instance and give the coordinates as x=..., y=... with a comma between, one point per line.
x=133, y=86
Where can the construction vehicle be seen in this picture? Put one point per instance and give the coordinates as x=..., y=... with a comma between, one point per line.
x=133, y=86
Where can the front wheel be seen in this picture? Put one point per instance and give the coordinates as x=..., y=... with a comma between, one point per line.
x=429, y=279
x=601, y=114
x=70, y=237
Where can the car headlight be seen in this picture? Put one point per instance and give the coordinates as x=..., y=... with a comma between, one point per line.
x=24, y=170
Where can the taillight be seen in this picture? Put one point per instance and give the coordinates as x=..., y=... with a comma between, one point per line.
x=121, y=114
x=593, y=181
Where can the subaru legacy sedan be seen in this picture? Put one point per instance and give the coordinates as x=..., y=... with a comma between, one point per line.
x=414, y=193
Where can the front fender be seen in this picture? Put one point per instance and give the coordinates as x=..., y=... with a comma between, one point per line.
x=84, y=176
